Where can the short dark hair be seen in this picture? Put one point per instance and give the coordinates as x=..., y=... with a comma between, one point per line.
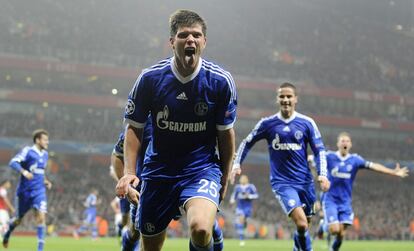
x=38, y=133
x=288, y=85
x=185, y=18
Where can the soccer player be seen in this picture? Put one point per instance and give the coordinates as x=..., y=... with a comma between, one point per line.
x=342, y=169
x=244, y=193
x=31, y=163
x=89, y=221
x=193, y=107
x=5, y=206
x=288, y=133
x=130, y=237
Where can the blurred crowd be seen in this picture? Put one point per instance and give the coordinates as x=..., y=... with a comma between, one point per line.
x=321, y=44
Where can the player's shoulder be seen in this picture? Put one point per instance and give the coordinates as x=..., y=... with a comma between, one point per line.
x=356, y=156
x=268, y=119
x=157, y=69
x=216, y=72
x=304, y=118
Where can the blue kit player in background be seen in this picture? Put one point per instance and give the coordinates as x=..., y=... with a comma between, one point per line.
x=342, y=169
x=89, y=221
x=193, y=106
x=31, y=163
x=130, y=238
x=243, y=195
x=288, y=134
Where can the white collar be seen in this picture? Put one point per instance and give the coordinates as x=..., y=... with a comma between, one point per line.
x=40, y=152
x=190, y=77
x=292, y=117
x=342, y=158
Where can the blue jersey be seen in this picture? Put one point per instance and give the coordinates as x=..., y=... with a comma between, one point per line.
x=287, y=141
x=341, y=173
x=186, y=114
x=35, y=161
x=244, y=195
x=91, y=201
x=146, y=138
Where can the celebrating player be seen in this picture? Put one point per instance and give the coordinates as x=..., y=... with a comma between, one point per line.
x=193, y=107
x=288, y=133
x=342, y=169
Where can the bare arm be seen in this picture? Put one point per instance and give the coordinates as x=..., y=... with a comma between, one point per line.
x=397, y=171
x=117, y=167
x=226, y=147
x=132, y=146
x=8, y=204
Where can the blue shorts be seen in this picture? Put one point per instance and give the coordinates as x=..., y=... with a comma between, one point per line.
x=246, y=212
x=90, y=216
x=293, y=196
x=160, y=201
x=337, y=212
x=27, y=200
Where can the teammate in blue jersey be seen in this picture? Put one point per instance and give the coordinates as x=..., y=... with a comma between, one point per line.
x=130, y=237
x=288, y=133
x=193, y=106
x=243, y=195
x=342, y=169
x=31, y=163
x=89, y=221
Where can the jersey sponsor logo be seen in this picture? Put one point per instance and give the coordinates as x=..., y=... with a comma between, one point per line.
x=276, y=145
x=130, y=107
x=201, y=108
x=164, y=124
x=336, y=173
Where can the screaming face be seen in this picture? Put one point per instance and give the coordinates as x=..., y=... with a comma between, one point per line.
x=188, y=44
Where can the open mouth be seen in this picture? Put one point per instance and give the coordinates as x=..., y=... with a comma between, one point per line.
x=189, y=51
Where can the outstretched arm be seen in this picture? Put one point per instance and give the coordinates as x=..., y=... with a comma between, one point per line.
x=397, y=171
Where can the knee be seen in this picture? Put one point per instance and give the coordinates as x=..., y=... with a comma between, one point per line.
x=200, y=229
x=334, y=230
x=302, y=225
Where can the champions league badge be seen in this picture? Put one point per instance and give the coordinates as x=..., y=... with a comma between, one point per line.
x=130, y=107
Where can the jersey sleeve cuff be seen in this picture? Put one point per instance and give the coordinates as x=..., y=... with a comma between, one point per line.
x=134, y=123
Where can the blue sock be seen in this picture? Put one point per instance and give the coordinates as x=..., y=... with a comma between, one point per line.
x=119, y=228
x=127, y=243
x=41, y=231
x=302, y=241
x=94, y=231
x=217, y=237
x=336, y=244
x=194, y=247
x=240, y=231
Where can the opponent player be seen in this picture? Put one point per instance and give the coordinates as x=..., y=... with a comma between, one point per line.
x=288, y=133
x=5, y=206
x=243, y=194
x=342, y=170
x=31, y=163
x=193, y=107
x=89, y=221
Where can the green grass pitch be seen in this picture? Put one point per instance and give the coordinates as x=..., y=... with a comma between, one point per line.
x=18, y=243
